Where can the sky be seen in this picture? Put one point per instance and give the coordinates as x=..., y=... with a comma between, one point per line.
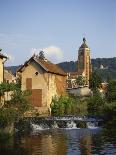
x=57, y=27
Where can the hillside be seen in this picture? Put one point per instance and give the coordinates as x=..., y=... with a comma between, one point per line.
x=108, y=64
x=13, y=69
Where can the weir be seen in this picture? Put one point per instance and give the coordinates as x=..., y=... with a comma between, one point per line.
x=68, y=122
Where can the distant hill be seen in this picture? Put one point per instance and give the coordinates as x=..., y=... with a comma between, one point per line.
x=108, y=70
x=13, y=69
x=108, y=64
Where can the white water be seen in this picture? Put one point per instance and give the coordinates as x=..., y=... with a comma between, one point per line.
x=66, y=123
x=92, y=125
x=55, y=126
x=70, y=118
x=71, y=125
x=36, y=127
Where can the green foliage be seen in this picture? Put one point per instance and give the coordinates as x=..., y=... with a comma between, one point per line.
x=96, y=104
x=14, y=109
x=110, y=109
x=19, y=100
x=41, y=55
x=111, y=93
x=95, y=81
x=65, y=105
x=5, y=137
x=6, y=87
x=80, y=80
x=109, y=112
x=7, y=116
x=18, y=82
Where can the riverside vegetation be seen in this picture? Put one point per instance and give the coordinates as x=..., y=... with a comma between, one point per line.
x=12, y=110
x=95, y=105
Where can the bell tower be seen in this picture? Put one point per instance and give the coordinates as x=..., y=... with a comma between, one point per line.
x=84, y=61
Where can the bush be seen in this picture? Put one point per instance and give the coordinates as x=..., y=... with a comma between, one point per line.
x=96, y=104
x=111, y=93
x=13, y=110
x=66, y=105
x=7, y=116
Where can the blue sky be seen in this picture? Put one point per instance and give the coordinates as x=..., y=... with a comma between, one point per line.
x=57, y=27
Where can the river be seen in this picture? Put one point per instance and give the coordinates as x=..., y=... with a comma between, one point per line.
x=83, y=141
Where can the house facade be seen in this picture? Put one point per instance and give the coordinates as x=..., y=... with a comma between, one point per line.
x=2, y=60
x=9, y=77
x=44, y=79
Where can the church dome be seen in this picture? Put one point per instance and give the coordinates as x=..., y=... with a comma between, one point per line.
x=84, y=45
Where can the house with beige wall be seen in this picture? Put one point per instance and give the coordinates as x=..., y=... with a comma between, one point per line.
x=2, y=60
x=9, y=77
x=44, y=79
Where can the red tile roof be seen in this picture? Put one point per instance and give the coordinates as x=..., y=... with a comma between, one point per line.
x=46, y=65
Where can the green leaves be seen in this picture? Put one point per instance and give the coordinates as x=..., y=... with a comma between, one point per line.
x=14, y=109
x=6, y=87
x=66, y=105
x=7, y=116
x=95, y=81
x=80, y=80
x=95, y=105
x=111, y=93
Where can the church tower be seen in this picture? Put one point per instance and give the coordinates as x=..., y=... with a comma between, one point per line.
x=84, y=61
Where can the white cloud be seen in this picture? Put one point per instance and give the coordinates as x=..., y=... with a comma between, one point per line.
x=35, y=51
x=10, y=57
x=52, y=53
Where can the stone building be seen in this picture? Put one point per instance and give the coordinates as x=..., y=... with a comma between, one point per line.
x=44, y=79
x=2, y=60
x=9, y=77
x=84, y=67
x=84, y=61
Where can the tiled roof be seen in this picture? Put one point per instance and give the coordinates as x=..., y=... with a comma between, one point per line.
x=46, y=65
x=50, y=67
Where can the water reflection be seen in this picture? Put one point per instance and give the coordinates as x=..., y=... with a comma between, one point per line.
x=62, y=142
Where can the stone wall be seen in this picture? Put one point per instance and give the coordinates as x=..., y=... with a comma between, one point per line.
x=51, y=84
x=80, y=91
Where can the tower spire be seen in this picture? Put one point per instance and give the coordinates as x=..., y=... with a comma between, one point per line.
x=84, y=40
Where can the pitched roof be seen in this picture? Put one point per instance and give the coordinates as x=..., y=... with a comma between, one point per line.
x=2, y=56
x=45, y=64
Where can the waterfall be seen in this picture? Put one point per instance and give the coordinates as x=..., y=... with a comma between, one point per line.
x=37, y=127
x=55, y=125
x=68, y=122
x=92, y=125
x=71, y=125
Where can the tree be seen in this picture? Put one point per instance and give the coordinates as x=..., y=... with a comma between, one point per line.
x=111, y=92
x=95, y=81
x=41, y=55
x=95, y=104
x=80, y=80
x=15, y=108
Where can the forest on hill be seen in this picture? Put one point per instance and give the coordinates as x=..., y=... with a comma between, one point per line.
x=106, y=67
